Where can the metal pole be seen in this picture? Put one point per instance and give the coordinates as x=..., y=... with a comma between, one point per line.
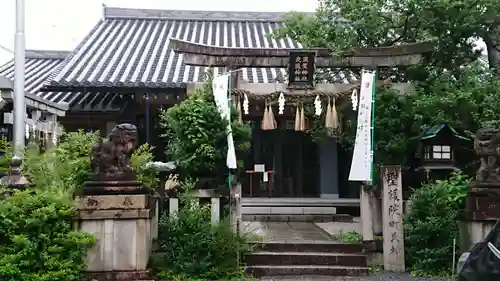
x=19, y=60
x=14, y=179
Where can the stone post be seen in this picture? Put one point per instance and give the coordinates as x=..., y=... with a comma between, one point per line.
x=394, y=255
x=366, y=213
x=377, y=213
x=235, y=203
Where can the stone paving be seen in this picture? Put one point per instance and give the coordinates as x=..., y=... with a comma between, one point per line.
x=286, y=231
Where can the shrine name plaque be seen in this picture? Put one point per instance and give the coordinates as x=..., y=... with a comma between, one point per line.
x=301, y=70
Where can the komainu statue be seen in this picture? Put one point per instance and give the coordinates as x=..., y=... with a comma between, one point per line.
x=487, y=147
x=111, y=158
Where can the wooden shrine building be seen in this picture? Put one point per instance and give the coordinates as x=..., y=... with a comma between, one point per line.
x=135, y=62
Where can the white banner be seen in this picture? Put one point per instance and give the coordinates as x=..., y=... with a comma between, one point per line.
x=362, y=157
x=220, y=87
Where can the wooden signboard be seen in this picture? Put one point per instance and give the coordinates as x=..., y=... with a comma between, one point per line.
x=394, y=256
x=301, y=70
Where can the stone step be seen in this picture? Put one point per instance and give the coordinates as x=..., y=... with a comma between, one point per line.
x=288, y=210
x=287, y=270
x=306, y=258
x=320, y=246
x=298, y=218
x=299, y=201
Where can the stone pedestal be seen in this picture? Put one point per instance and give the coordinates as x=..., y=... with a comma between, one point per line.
x=122, y=225
x=481, y=212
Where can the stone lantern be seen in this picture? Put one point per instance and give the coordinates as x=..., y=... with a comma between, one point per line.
x=439, y=151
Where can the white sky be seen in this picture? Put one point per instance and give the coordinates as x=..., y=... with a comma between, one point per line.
x=62, y=24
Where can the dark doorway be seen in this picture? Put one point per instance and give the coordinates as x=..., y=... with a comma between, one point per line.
x=292, y=158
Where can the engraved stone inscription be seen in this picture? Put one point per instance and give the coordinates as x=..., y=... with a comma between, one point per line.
x=393, y=219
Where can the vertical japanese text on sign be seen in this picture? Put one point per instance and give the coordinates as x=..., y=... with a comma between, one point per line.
x=391, y=176
x=301, y=70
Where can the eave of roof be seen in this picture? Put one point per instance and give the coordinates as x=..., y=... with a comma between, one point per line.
x=39, y=64
x=433, y=131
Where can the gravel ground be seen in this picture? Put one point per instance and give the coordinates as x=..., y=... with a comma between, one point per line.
x=385, y=276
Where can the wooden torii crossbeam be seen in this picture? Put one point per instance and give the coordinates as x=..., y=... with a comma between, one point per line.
x=205, y=55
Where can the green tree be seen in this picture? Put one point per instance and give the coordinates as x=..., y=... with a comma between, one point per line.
x=196, y=137
x=451, y=85
x=466, y=104
x=342, y=25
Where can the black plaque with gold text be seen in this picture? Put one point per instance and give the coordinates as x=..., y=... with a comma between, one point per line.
x=301, y=70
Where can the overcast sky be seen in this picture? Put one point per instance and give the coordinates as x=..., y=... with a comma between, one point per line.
x=62, y=24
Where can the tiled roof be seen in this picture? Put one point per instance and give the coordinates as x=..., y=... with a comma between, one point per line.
x=39, y=64
x=130, y=47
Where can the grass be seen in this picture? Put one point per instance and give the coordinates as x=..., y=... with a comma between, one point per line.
x=351, y=237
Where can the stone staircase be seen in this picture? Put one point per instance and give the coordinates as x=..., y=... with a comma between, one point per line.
x=295, y=258
x=296, y=209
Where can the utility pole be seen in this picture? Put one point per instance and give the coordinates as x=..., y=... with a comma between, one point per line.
x=14, y=178
x=19, y=68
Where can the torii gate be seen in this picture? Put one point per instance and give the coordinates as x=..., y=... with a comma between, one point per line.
x=236, y=58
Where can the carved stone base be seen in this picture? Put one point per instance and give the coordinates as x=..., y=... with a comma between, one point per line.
x=483, y=202
x=473, y=232
x=143, y=275
x=485, y=187
x=114, y=188
x=122, y=225
x=482, y=210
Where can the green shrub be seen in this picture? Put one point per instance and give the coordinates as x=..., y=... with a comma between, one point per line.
x=37, y=241
x=145, y=174
x=190, y=247
x=6, y=154
x=196, y=137
x=63, y=168
x=431, y=224
x=67, y=166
